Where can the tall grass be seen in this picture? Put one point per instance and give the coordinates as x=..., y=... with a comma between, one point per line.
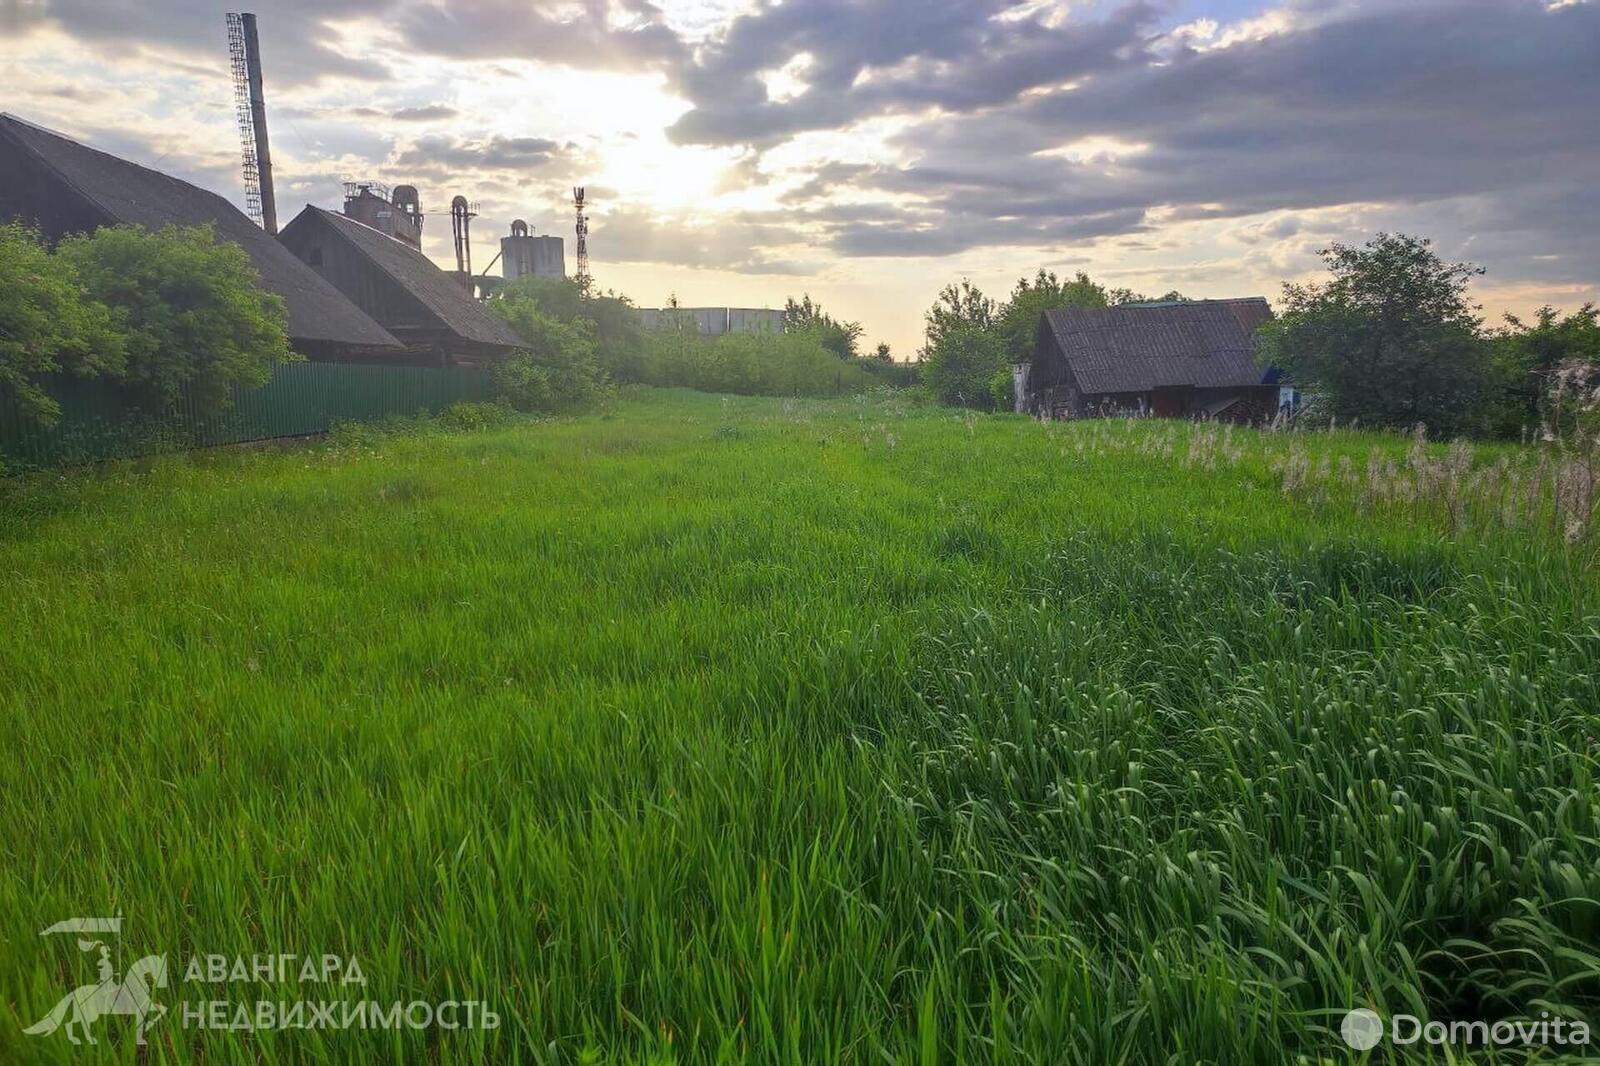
x=752, y=730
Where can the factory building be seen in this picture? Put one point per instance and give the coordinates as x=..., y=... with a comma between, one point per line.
x=61, y=187
x=522, y=255
x=437, y=318
x=398, y=214
x=714, y=321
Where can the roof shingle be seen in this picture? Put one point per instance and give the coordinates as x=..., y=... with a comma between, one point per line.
x=1136, y=348
x=440, y=293
x=130, y=194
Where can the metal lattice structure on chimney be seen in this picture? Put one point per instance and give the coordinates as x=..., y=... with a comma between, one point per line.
x=250, y=110
x=241, y=111
x=582, y=277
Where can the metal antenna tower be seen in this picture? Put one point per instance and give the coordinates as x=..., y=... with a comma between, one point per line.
x=250, y=110
x=583, y=241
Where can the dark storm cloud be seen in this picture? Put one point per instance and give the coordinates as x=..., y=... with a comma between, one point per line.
x=881, y=56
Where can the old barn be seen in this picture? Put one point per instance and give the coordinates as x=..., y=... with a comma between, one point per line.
x=431, y=312
x=1178, y=359
x=60, y=187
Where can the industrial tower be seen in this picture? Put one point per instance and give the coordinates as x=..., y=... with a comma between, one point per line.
x=582, y=277
x=250, y=108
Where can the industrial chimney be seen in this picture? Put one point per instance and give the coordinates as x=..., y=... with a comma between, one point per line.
x=250, y=105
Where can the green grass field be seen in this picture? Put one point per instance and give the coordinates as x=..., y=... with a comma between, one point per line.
x=796, y=732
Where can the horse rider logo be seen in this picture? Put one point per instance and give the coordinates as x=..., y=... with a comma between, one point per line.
x=106, y=995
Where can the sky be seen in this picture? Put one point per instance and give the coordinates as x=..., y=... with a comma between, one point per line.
x=867, y=152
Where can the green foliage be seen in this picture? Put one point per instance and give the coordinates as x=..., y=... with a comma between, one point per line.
x=1118, y=297
x=760, y=731
x=194, y=318
x=1527, y=355
x=1391, y=339
x=613, y=320
x=960, y=365
x=756, y=364
x=1003, y=390
x=47, y=323
x=957, y=307
x=891, y=374
x=467, y=417
x=1018, y=320
x=807, y=316
x=559, y=372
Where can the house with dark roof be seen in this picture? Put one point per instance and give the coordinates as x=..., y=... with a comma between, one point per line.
x=429, y=310
x=60, y=187
x=1174, y=359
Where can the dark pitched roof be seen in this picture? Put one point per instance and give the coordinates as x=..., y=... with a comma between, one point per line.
x=440, y=293
x=130, y=194
x=1135, y=348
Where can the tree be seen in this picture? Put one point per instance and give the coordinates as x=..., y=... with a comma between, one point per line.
x=807, y=316
x=958, y=307
x=1118, y=297
x=882, y=353
x=195, y=320
x=961, y=364
x=1391, y=339
x=1528, y=355
x=1018, y=319
x=48, y=324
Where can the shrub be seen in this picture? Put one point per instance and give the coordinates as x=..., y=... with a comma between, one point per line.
x=476, y=417
x=195, y=321
x=1002, y=390
x=47, y=323
x=612, y=319
x=559, y=371
x=761, y=364
x=962, y=362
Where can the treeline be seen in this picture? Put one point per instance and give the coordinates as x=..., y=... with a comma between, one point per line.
x=1390, y=340
x=164, y=314
x=580, y=347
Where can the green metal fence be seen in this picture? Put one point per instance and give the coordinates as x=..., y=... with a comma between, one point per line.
x=301, y=398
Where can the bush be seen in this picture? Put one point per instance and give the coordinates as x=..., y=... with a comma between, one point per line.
x=194, y=319
x=475, y=417
x=1002, y=390
x=962, y=363
x=48, y=324
x=559, y=371
x=613, y=321
x=757, y=364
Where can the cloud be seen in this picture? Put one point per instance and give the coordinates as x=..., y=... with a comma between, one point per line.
x=728, y=244
x=883, y=56
x=296, y=41
x=437, y=151
x=589, y=35
x=425, y=113
x=1411, y=104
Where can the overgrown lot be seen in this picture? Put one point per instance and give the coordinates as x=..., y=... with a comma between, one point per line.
x=774, y=731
